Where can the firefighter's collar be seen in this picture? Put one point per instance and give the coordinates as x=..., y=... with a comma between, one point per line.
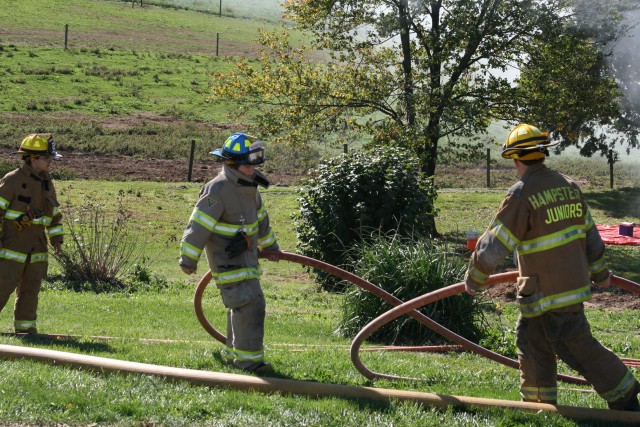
x=237, y=177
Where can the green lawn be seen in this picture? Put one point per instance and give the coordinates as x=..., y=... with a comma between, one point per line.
x=161, y=328
x=134, y=81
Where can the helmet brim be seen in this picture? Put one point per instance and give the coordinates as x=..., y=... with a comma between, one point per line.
x=218, y=153
x=519, y=152
x=54, y=156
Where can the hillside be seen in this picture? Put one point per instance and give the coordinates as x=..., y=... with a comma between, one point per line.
x=132, y=81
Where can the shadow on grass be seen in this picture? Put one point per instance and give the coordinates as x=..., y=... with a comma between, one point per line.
x=619, y=203
x=61, y=340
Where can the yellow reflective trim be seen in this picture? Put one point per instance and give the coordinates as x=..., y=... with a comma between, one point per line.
x=43, y=220
x=597, y=266
x=190, y=251
x=13, y=255
x=477, y=275
x=262, y=212
x=564, y=299
x=39, y=257
x=23, y=325
x=249, y=356
x=553, y=240
x=11, y=214
x=628, y=381
x=236, y=275
x=267, y=240
x=229, y=353
x=4, y=203
x=504, y=235
x=545, y=394
x=55, y=231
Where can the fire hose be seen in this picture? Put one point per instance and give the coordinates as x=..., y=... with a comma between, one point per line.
x=400, y=308
x=243, y=382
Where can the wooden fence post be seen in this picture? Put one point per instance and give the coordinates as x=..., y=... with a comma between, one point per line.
x=193, y=150
x=488, y=168
x=217, y=42
x=66, y=35
x=610, y=168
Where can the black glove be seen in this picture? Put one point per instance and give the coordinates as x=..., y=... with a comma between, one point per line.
x=238, y=244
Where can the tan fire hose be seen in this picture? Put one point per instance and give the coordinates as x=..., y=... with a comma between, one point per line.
x=103, y=365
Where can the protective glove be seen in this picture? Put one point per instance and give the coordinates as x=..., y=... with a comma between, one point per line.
x=606, y=282
x=238, y=244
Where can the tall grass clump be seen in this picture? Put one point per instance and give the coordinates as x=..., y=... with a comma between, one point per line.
x=101, y=254
x=409, y=268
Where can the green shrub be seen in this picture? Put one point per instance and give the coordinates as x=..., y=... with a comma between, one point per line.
x=407, y=269
x=356, y=195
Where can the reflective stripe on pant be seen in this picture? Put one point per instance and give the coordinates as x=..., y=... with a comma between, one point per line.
x=25, y=279
x=567, y=335
x=245, y=323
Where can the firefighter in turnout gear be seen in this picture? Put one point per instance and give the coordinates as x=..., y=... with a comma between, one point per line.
x=545, y=218
x=230, y=223
x=30, y=216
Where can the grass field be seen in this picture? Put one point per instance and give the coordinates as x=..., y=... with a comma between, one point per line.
x=300, y=334
x=134, y=81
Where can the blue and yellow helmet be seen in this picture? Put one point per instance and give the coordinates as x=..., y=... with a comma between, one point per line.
x=242, y=149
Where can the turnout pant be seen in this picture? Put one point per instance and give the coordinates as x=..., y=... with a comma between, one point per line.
x=245, y=323
x=25, y=279
x=566, y=334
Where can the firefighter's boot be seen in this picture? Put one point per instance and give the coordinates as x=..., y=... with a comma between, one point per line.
x=260, y=368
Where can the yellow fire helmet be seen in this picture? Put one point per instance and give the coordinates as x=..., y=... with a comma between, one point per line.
x=526, y=142
x=39, y=144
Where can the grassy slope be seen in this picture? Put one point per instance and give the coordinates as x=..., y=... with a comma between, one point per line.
x=135, y=79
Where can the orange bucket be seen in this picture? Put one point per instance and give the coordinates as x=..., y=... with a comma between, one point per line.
x=472, y=239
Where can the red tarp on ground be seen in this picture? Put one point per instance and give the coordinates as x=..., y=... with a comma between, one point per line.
x=610, y=235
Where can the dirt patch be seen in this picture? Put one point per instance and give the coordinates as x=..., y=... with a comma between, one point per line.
x=126, y=168
x=609, y=299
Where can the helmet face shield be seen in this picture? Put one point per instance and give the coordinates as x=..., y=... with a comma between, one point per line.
x=53, y=153
x=256, y=156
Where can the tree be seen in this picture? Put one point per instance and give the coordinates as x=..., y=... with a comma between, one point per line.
x=569, y=88
x=420, y=72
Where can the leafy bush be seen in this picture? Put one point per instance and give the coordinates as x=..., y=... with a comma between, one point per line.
x=407, y=269
x=360, y=194
x=101, y=255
